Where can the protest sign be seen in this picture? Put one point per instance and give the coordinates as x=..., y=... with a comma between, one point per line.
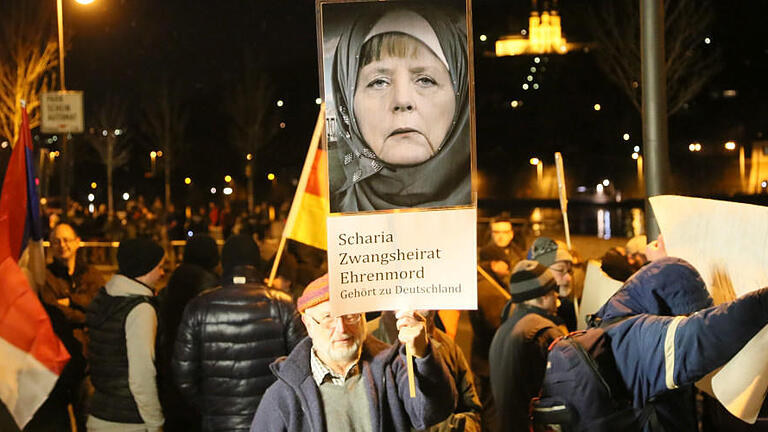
x=728, y=244
x=716, y=236
x=409, y=260
x=397, y=82
x=598, y=288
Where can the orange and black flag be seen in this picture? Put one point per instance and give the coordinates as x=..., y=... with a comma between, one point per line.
x=310, y=207
x=306, y=220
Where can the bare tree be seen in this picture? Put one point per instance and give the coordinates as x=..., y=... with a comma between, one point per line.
x=165, y=120
x=690, y=64
x=28, y=56
x=253, y=122
x=110, y=140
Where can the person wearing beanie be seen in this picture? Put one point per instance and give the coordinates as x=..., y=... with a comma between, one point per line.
x=518, y=354
x=555, y=255
x=285, y=278
x=122, y=324
x=227, y=338
x=340, y=378
x=196, y=273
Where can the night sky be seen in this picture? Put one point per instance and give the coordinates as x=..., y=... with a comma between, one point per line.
x=119, y=48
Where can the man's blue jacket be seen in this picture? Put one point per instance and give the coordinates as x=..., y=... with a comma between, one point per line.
x=672, y=336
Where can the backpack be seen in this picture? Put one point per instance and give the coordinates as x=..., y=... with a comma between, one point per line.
x=583, y=390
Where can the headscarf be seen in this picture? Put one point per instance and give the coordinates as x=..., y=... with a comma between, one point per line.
x=369, y=183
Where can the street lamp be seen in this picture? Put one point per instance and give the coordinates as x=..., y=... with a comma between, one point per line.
x=730, y=145
x=539, y=164
x=153, y=161
x=60, y=18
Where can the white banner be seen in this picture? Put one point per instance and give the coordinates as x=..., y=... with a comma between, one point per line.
x=404, y=260
x=717, y=237
x=727, y=242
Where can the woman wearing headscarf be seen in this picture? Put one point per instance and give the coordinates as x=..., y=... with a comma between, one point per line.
x=400, y=86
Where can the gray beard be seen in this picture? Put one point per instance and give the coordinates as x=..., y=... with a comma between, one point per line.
x=345, y=355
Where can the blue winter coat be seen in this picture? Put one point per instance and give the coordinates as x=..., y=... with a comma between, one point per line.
x=293, y=402
x=674, y=335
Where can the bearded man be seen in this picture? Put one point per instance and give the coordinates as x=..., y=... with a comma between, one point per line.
x=340, y=379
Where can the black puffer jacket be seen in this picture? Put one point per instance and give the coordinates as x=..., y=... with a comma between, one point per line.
x=226, y=341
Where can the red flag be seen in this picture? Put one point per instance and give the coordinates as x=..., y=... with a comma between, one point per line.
x=32, y=356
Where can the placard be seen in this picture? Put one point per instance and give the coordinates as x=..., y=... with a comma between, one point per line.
x=726, y=242
x=413, y=260
x=397, y=81
x=598, y=288
x=716, y=237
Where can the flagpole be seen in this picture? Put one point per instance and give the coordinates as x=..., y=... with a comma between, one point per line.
x=563, y=197
x=296, y=205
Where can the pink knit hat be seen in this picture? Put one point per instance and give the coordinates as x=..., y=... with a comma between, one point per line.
x=314, y=294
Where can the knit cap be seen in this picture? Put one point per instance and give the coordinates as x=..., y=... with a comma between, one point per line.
x=314, y=294
x=547, y=251
x=529, y=280
x=202, y=250
x=240, y=250
x=137, y=257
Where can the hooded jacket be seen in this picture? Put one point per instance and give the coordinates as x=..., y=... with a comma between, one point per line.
x=672, y=336
x=293, y=402
x=227, y=338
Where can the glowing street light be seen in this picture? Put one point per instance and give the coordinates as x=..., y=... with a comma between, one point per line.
x=187, y=180
x=730, y=145
x=153, y=161
x=248, y=156
x=597, y=107
x=213, y=191
x=126, y=196
x=694, y=147
x=94, y=185
x=539, y=164
x=625, y=137
x=270, y=176
x=606, y=182
x=227, y=178
x=227, y=190
x=91, y=197
x=635, y=155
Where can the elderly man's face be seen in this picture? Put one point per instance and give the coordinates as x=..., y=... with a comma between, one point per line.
x=563, y=272
x=337, y=339
x=64, y=242
x=502, y=234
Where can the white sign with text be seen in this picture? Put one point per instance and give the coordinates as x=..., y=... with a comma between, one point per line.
x=61, y=112
x=403, y=260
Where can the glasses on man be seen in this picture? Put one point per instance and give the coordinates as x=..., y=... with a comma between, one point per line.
x=327, y=321
x=562, y=270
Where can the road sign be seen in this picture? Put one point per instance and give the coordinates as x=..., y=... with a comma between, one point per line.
x=62, y=112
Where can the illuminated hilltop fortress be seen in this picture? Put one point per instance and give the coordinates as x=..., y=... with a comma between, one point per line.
x=544, y=35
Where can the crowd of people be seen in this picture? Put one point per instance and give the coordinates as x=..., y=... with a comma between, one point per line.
x=214, y=348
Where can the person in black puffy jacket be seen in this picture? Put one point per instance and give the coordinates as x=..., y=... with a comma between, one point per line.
x=227, y=338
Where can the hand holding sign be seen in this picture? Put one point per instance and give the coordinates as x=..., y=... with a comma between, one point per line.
x=413, y=333
x=656, y=249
